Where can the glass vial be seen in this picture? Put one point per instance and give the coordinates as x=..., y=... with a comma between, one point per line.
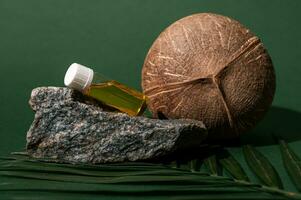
x=109, y=92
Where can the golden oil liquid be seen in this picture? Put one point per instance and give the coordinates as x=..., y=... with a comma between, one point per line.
x=118, y=96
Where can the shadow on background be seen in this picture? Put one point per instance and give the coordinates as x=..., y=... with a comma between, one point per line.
x=279, y=122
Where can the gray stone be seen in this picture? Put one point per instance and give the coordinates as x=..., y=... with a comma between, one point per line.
x=70, y=127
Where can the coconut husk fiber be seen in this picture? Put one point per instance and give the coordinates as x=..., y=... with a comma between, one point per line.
x=211, y=68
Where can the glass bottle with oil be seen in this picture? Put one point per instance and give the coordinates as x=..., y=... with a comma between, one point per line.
x=109, y=92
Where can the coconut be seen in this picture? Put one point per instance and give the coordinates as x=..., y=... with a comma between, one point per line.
x=211, y=68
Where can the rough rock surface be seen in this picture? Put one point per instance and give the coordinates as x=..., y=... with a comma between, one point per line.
x=69, y=127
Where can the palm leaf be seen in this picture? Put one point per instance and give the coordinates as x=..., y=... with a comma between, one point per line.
x=262, y=167
x=27, y=178
x=195, y=165
x=232, y=166
x=211, y=164
x=292, y=163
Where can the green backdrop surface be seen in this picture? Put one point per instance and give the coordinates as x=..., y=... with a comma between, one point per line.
x=39, y=39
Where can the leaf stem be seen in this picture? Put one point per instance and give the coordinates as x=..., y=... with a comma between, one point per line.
x=263, y=188
x=288, y=194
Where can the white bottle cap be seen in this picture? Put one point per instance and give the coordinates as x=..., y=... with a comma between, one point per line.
x=78, y=77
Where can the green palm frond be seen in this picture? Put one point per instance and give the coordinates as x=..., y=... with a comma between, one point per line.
x=292, y=163
x=262, y=167
x=22, y=177
x=195, y=165
x=211, y=164
x=230, y=164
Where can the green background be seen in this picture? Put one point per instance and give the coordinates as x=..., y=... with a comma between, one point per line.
x=40, y=39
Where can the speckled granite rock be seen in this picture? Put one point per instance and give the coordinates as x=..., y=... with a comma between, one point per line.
x=69, y=127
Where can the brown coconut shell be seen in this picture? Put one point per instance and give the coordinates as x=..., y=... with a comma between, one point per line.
x=210, y=68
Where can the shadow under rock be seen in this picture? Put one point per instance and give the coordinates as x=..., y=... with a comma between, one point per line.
x=278, y=123
x=281, y=123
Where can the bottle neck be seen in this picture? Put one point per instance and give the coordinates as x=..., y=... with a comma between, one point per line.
x=99, y=78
